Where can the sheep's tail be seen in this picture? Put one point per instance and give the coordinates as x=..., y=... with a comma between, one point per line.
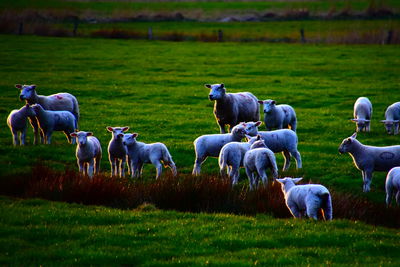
x=167, y=160
x=327, y=205
x=75, y=108
x=222, y=159
x=274, y=166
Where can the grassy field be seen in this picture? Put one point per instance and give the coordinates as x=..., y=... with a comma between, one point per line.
x=37, y=232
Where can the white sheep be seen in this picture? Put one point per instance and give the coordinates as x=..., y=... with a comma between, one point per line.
x=88, y=153
x=278, y=116
x=117, y=150
x=232, y=108
x=16, y=121
x=306, y=199
x=50, y=121
x=256, y=161
x=57, y=102
x=362, y=114
x=370, y=158
x=392, y=118
x=392, y=185
x=231, y=158
x=282, y=140
x=139, y=153
x=210, y=145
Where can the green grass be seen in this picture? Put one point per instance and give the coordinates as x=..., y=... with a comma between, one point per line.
x=38, y=232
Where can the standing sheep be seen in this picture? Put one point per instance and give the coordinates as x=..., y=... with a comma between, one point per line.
x=278, y=116
x=392, y=118
x=370, y=158
x=392, y=185
x=117, y=150
x=283, y=140
x=210, y=145
x=362, y=114
x=139, y=153
x=88, y=153
x=256, y=161
x=306, y=199
x=16, y=121
x=57, y=102
x=50, y=121
x=232, y=108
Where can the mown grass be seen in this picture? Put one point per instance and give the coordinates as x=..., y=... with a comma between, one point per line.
x=38, y=232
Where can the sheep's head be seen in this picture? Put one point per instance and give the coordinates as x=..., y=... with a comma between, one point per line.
x=288, y=181
x=37, y=108
x=392, y=126
x=81, y=137
x=258, y=143
x=361, y=123
x=217, y=91
x=251, y=127
x=130, y=139
x=239, y=130
x=27, y=91
x=252, y=139
x=268, y=105
x=117, y=132
x=347, y=144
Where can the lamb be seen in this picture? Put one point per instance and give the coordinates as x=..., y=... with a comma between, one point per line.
x=139, y=153
x=88, y=153
x=16, y=121
x=278, y=116
x=50, y=121
x=362, y=114
x=256, y=161
x=231, y=157
x=392, y=118
x=283, y=140
x=392, y=185
x=232, y=108
x=117, y=150
x=370, y=158
x=306, y=199
x=210, y=145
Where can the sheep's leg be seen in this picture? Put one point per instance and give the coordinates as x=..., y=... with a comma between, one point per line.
x=80, y=166
x=294, y=210
x=90, y=168
x=48, y=137
x=197, y=164
x=262, y=174
x=235, y=176
x=128, y=165
x=223, y=171
x=398, y=197
x=367, y=178
x=97, y=165
x=221, y=127
x=172, y=166
x=293, y=125
x=122, y=167
x=23, y=137
x=389, y=195
x=251, y=178
x=396, y=128
x=112, y=163
x=15, y=138
x=158, y=166
x=34, y=124
x=297, y=156
x=286, y=156
x=312, y=212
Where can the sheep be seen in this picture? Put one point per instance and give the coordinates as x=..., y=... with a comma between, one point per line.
x=370, y=158
x=117, y=150
x=16, y=121
x=283, y=140
x=231, y=157
x=278, y=116
x=210, y=145
x=50, y=121
x=139, y=153
x=57, y=102
x=232, y=108
x=256, y=161
x=88, y=153
x=362, y=114
x=306, y=199
x=392, y=118
x=392, y=185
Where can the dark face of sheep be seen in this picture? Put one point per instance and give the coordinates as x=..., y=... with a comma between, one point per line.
x=391, y=126
x=217, y=91
x=27, y=91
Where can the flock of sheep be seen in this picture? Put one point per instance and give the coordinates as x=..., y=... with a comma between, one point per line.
x=239, y=111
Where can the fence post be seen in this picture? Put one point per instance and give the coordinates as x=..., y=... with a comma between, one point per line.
x=389, y=37
x=303, y=38
x=150, y=34
x=21, y=28
x=220, y=35
x=76, y=24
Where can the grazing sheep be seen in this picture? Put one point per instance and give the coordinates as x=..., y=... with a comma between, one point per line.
x=278, y=116
x=282, y=140
x=117, y=150
x=50, y=121
x=232, y=108
x=392, y=118
x=306, y=199
x=392, y=185
x=57, y=102
x=140, y=153
x=16, y=121
x=362, y=114
x=256, y=161
x=370, y=158
x=88, y=153
x=210, y=145
x=231, y=157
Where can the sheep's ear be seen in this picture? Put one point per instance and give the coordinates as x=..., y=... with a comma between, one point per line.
x=258, y=137
x=33, y=86
x=207, y=86
x=134, y=135
x=296, y=180
x=258, y=123
x=355, y=120
x=354, y=135
x=384, y=121
x=27, y=105
x=222, y=85
x=73, y=134
x=109, y=128
x=248, y=137
x=281, y=181
x=367, y=120
x=19, y=86
x=395, y=121
x=273, y=102
x=126, y=128
x=89, y=134
x=260, y=102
